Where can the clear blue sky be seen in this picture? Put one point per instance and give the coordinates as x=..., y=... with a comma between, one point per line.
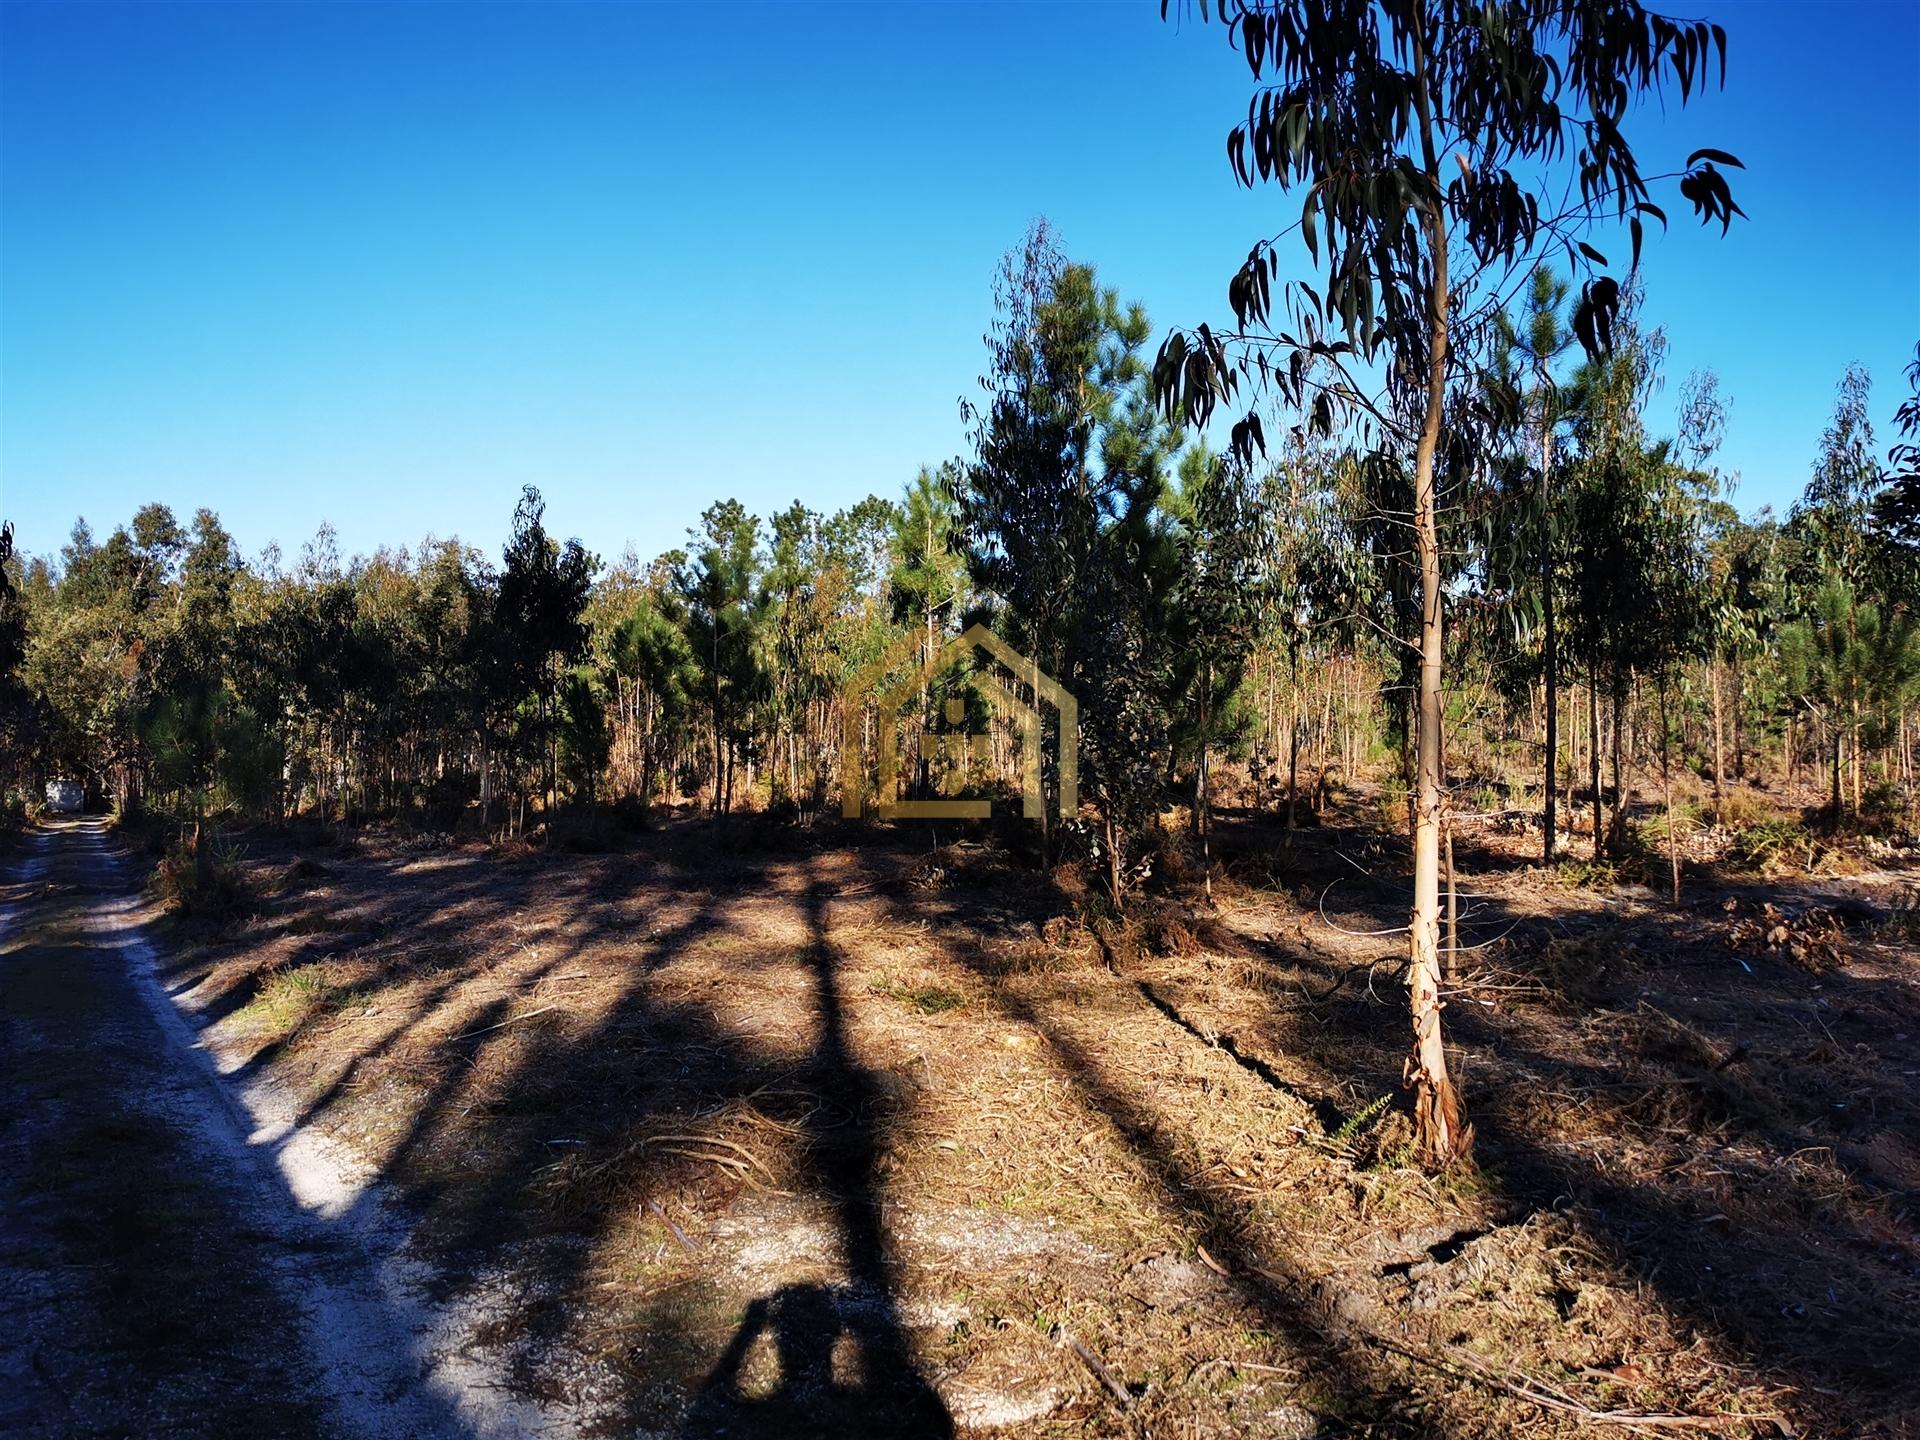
x=381, y=265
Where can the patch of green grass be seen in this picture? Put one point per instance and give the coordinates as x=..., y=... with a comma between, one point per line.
x=291, y=998
x=1587, y=874
x=928, y=998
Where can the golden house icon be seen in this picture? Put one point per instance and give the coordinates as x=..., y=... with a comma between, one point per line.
x=955, y=747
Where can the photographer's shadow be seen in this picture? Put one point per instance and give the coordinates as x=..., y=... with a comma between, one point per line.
x=835, y=1370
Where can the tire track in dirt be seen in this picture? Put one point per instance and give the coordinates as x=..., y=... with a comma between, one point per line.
x=391, y=1363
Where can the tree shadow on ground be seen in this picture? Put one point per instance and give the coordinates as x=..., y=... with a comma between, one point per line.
x=546, y=1134
x=1670, y=1098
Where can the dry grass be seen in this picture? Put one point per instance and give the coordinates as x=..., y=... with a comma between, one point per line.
x=651, y=1091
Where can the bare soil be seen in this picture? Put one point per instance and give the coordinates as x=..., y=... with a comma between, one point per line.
x=756, y=1132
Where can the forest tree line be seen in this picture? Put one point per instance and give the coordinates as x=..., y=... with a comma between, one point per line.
x=1203, y=610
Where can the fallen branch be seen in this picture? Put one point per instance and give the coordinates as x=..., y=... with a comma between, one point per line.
x=1465, y=1366
x=672, y=1229
x=747, y=1155
x=1066, y=1339
x=510, y=1020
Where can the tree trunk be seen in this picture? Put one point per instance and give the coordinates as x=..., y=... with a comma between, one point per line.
x=1552, y=649
x=1839, y=743
x=646, y=757
x=1617, y=820
x=1666, y=781
x=202, y=853
x=1855, y=733
x=1293, y=739
x=1593, y=756
x=1203, y=798
x=1440, y=1129
x=1719, y=766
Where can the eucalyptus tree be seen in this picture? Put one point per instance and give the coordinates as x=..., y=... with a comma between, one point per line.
x=1222, y=592
x=1830, y=522
x=1370, y=107
x=93, y=656
x=1746, y=596
x=1896, y=510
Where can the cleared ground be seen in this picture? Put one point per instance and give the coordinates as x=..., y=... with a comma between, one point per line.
x=175, y=1259
x=754, y=1132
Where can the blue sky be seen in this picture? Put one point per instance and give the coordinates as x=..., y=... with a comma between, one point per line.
x=382, y=265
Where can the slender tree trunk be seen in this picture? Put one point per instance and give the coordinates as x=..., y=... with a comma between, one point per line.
x=1204, y=798
x=202, y=850
x=1440, y=1129
x=1271, y=736
x=647, y=754
x=1666, y=781
x=1616, y=821
x=1293, y=739
x=1854, y=732
x=1552, y=648
x=1719, y=766
x=486, y=782
x=719, y=760
x=1593, y=756
x=1739, y=719
x=1839, y=742
x=1452, y=967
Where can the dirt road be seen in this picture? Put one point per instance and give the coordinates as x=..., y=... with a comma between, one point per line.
x=176, y=1259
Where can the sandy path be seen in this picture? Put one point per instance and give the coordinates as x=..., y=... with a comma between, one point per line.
x=387, y=1362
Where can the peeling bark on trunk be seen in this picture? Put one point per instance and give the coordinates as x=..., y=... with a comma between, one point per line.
x=1440, y=1129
